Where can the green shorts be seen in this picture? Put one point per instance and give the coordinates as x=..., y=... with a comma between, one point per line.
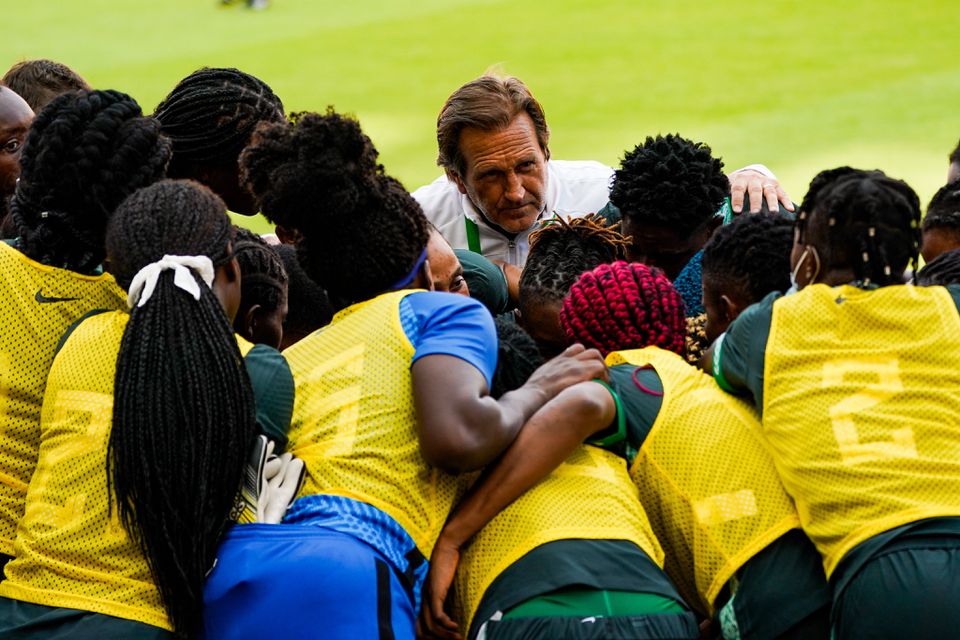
x=27, y=621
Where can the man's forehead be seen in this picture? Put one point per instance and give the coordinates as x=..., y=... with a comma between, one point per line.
x=489, y=146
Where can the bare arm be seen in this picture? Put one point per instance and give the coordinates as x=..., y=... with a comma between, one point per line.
x=551, y=435
x=463, y=428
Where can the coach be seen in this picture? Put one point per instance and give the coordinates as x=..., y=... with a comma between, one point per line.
x=500, y=181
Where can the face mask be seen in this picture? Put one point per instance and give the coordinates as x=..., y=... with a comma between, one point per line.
x=794, y=287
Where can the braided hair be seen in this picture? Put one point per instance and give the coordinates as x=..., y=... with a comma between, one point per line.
x=750, y=256
x=670, y=181
x=361, y=232
x=942, y=270
x=308, y=308
x=263, y=279
x=561, y=250
x=210, y=116
x=517, y=357
x=180, y=434
x=943, y=212
x=624, y=306
x=865, y=221
x=86, y=152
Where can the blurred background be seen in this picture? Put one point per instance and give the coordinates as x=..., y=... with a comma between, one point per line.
x=799, y=86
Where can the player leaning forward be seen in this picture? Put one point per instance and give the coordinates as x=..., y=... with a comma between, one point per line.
x=858, y=379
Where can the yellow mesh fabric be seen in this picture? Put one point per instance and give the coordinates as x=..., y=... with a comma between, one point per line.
x=861, y=409
x=706, y=481
x=589, y=497
x=354, y=425
x=39, y=304
x=245, y=346
x=71, y=551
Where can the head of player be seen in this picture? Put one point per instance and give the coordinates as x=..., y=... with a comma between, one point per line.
x=668, y=190
x=624, y=306
x=178, y=431
x=559, y=252
x=445, y=265
x=263, y=291
x=86, y=152
x=308, y=308
x=941, y=225
x=15, y=118
x=743, y=262
x=492, y=135
x=210, y=116
x=856, y=226
x=40, y=81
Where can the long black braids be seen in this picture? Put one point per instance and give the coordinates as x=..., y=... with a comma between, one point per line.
x=867, y=222
x=561, y=250
x=211, y=114
x=86, y=151
x=361, y=232
x=183, y=414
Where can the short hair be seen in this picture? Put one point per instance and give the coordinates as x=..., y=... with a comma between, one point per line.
x=624, y=306
x=362, y=233
x=487, y=103
x=866, y=221
x=943, y=212
x=40, y=81
x=670, y=181
x=263, y=280
x=751, y=254
x=211, y=114
x=955, y=154
x=561, y=250
x=85, y=153
x=942, y=270
x=517, y=357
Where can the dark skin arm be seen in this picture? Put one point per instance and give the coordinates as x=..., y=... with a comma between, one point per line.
x=462, y=428
x=550, y=436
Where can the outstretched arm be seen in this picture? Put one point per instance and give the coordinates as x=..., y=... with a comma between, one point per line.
x=550, y=436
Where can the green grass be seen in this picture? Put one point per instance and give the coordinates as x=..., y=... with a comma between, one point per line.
x=800, y=86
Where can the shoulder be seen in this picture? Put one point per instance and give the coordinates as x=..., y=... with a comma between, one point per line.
x=435, y=308
x=580, y=170
x=273, y=389
x=581, y=186
x=440, y=201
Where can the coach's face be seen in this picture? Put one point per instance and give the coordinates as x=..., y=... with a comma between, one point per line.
x=505, y=173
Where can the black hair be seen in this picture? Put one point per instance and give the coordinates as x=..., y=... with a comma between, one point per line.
x=955, y=154
x=867, y=222
x=263, y=279
x=517, y=356
x=308, y=308
x=211, y=114
x=942, y=270
x=561, y=250
x=943, y=212
x=361, y=232
x=183, y=413
x=85, y=153
x=670, y=181
x=751, y=254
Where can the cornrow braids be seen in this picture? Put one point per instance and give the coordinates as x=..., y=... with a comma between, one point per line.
x=263, y=279
x=517, y=357
x=670, y=181
x=211, y=114
x=943, y=212
x=942, y=270
x=86, y=151
x=561, y=250
x=362, y=233
x=866, y=221
x=624, y=306
x=180, y=434
x=751, y=255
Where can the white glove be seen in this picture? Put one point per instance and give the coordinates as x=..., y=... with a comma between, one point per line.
x=270, y=484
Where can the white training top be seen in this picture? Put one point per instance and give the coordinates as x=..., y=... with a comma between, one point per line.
x=574, y=189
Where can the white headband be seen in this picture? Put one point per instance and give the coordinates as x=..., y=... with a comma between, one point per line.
x=146, y=279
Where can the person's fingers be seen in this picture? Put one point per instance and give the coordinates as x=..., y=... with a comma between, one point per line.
x=755, y=191
x=784, y=199
x=771, y=192
x=737, y=189
x=573, y=349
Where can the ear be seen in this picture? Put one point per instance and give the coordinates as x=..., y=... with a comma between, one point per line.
x=231, y=271
x=454, y=177
x=729, y=308
x=286, y=236
x=250, y=321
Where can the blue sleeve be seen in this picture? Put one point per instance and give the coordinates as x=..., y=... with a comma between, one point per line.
x=449, y=324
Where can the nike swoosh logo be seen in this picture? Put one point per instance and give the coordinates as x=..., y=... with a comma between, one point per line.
x=42, y=298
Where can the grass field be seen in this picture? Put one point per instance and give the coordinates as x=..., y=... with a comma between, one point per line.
x=798, y=85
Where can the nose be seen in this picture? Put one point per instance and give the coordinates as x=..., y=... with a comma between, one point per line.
x=514, y=191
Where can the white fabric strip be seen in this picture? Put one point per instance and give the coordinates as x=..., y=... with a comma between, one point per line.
x=143, y=284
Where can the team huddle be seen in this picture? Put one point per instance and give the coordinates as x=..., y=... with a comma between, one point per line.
x=534, y=398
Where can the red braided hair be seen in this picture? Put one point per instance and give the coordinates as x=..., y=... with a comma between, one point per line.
x=624, y=306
